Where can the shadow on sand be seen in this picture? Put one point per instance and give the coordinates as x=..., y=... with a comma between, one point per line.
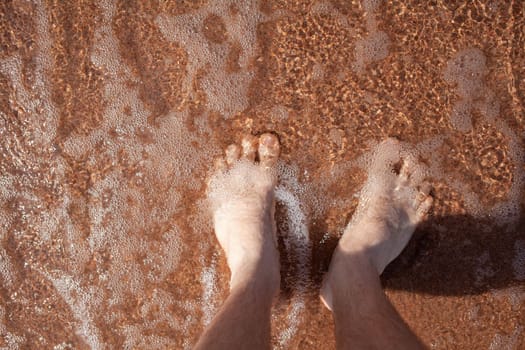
x=458, y=255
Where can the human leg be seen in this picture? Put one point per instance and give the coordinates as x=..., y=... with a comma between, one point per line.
x=242, y=201
x=391, y=206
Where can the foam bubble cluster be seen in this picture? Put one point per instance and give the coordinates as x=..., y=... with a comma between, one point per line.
x=225, y=88
x=243, y=181
x=467, y=70
x=374, y=46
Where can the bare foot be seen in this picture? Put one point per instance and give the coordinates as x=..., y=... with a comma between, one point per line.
x=391, y=205
x=241, y=194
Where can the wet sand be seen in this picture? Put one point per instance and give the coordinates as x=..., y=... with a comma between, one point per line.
x=111, y=115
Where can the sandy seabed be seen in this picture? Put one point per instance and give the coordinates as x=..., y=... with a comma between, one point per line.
x=111, y=113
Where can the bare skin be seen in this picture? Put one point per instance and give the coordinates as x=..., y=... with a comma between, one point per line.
x=242, y=200
x=391, y=206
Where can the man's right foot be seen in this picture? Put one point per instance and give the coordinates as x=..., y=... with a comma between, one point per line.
x=241, y=195
x=391, y=205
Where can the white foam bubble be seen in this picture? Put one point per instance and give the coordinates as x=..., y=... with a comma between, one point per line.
x=516, y=296
x=6, y=269
x=429, y=146
x=489, y=106
x=84, y=304
x=326, y=8
x=117, y=91
x=245, y=180
x=509, y=211
x=168, y=258
x=38, y=117
x=297, y=241
x=297, y=307
x=371, y=5
x=505, y=212
x=226, y=92
x=136, y=339
x=279, y=112
x=12, y=340
x=460, y=117
x=506, y=342
x=44, y=59
x=40, y=113
x=7, y=187
x=372, y=48
x=208, y=279
x=190, y=321
x=467, y=69
x=116, y=208
x=157, y=310
x=469, y=62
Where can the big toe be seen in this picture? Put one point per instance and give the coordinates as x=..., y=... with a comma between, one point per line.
x=269, y=149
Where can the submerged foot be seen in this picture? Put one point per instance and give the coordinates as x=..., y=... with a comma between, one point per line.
x=391, y=205
x=241, y=195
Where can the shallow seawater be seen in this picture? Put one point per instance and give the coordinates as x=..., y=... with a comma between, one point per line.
x=111, y=115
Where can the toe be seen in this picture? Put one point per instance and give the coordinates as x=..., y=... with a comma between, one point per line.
x=233, y=152
x=409, y=163
x=425, y=188
x=249, y=147
x=220, y=165
x=390, y=142
x=268, y=149
x=423, y=192
x=424, y=207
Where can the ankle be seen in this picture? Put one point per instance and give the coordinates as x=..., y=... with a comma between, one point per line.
x=263, y=274
x=355, y=261
x=349, y=273
x=370, y=243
